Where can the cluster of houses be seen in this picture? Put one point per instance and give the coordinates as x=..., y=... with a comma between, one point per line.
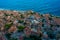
x=28, y=25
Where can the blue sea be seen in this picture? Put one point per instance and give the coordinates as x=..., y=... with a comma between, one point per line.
x=42, y=6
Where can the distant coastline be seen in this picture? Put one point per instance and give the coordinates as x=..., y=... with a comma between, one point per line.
x=22, y=11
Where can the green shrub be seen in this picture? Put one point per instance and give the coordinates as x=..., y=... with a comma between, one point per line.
x=21, y=16
x=8, y=35
x=7, y=26
x=21, y=21
x=7, y=14
x=50, y=18
x=20, y=28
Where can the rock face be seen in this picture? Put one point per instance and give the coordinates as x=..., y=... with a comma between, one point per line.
x=29, y=25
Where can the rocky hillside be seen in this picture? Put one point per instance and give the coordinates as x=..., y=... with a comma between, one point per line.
x=28, y=25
